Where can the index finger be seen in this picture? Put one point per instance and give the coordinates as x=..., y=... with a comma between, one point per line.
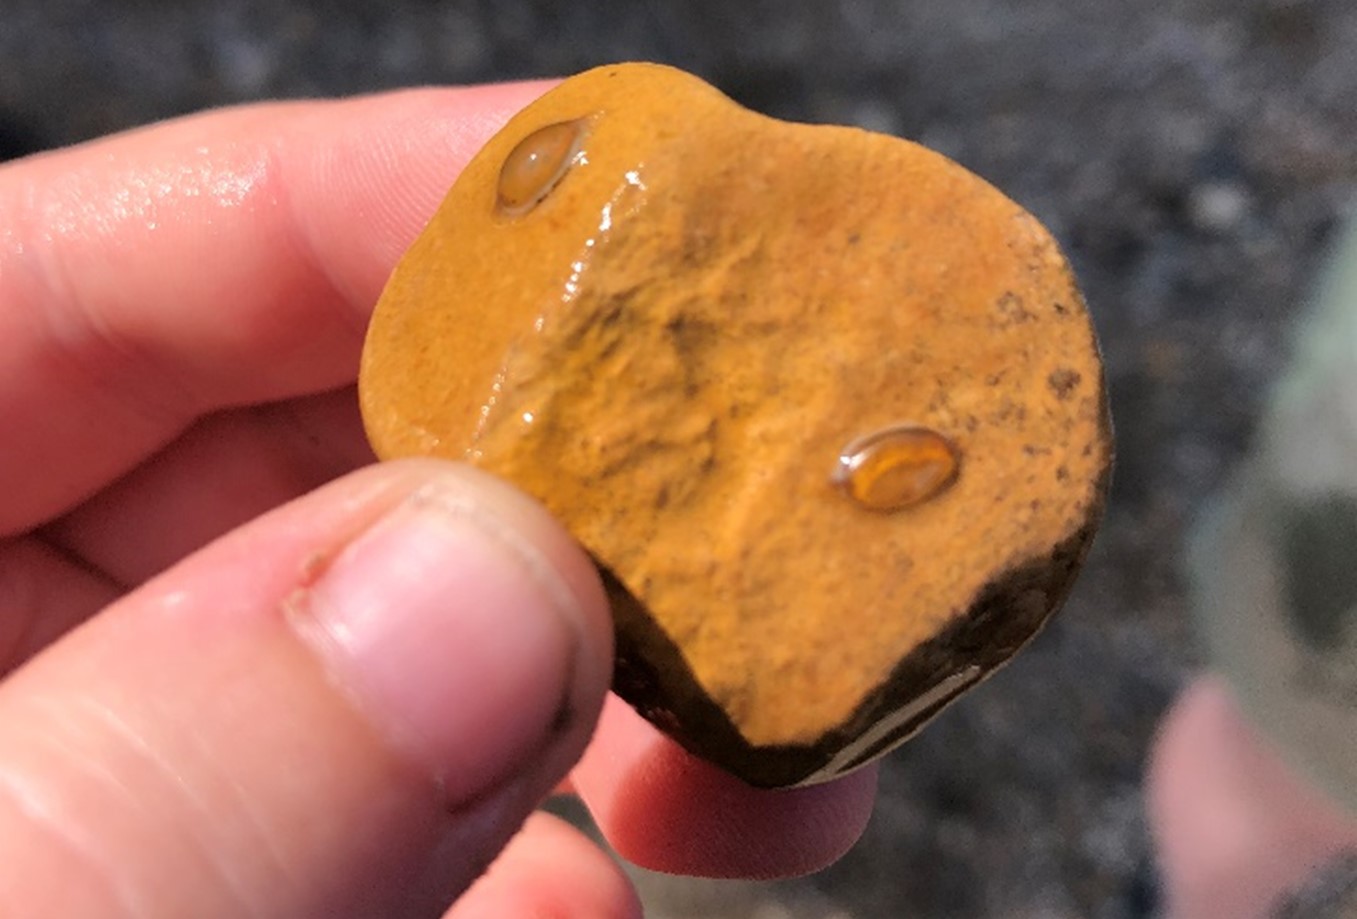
x=218, y=260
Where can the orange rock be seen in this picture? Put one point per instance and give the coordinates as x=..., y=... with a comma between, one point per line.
x=826, y=408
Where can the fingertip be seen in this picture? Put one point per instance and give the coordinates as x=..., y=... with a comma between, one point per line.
x=1234, y=826
x=448, y=620
x=388, y=162
x=224, y=259
x=550, y=869
x=666, y=810
x=390, y=652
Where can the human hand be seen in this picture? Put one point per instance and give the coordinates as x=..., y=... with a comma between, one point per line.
x=1236, y=829
x=286, y=697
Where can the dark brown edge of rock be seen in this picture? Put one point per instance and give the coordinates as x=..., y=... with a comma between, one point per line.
x=1007, y=613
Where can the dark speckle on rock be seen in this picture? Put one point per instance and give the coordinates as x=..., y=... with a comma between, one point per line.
x=1063, y=382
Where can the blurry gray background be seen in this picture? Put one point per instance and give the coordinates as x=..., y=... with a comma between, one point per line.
x=1192, y=155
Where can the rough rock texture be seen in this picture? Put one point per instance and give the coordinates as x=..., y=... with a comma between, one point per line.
x=673, y=347
x=1192, y=156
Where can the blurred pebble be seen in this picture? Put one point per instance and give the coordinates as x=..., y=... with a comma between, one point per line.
x=1218, y=206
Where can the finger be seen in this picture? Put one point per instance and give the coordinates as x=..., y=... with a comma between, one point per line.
x=227, y=469
x=551, y=869
x=42, y=594
x=344, y=709
x=666, y=810
x=1235, y=828
x=219, y=260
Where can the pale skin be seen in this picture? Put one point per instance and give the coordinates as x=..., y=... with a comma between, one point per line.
x=302, y=684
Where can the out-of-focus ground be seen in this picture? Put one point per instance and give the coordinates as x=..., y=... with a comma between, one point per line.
x=1192, y=155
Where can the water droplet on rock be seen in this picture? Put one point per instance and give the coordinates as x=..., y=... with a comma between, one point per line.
x=536, y=164
x=896, y=467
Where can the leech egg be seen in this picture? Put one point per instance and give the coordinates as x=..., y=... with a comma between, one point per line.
x=534, y=167
x=896, y=467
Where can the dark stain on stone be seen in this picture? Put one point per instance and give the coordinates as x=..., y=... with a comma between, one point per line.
x=1013, y=310
x=1063, y=382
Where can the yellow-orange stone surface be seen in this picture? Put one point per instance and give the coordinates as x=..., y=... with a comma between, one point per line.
x=673, y=347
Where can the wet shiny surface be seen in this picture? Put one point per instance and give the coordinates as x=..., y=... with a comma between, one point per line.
x=897, y=467
x=534, y=167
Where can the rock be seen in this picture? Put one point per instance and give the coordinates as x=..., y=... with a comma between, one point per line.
x=826, y=408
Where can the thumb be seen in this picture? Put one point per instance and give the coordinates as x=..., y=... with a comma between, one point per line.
x=345, y=708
